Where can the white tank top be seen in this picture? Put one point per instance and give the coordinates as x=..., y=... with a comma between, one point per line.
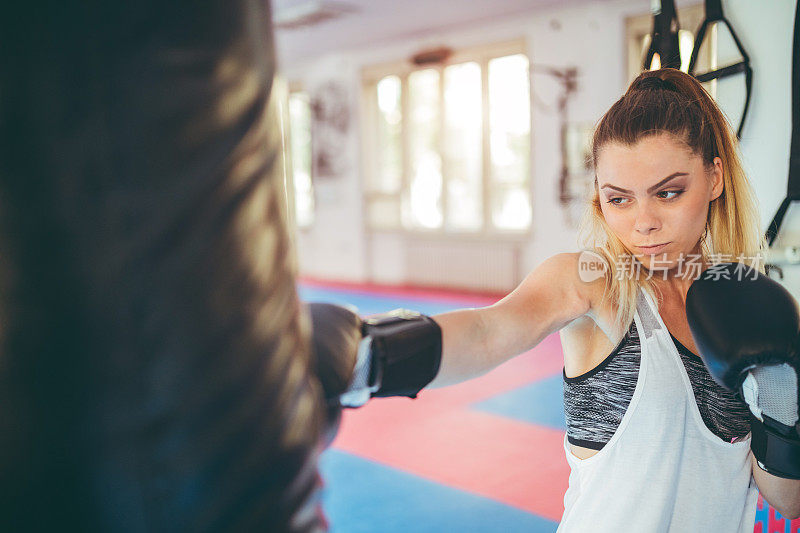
x=663, y=470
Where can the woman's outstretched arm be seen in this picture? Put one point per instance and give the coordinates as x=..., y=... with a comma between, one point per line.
x=475, y=341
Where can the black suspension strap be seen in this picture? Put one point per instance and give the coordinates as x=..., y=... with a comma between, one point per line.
x=714, y=15
x=664, y=38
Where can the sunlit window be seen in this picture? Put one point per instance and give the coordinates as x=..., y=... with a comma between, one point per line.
x=463, y=133
x=448, y=147
x=424, y=207
x=391, y=164
x=300, y=139
x=510, y=130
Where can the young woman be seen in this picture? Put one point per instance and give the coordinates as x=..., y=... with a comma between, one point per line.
x=652, y=445
x=653, y=442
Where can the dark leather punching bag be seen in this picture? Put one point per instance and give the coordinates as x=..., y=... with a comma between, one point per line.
x=154, y=359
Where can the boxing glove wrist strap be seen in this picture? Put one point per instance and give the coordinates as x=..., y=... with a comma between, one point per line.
x=406, y=351
x=776, y=454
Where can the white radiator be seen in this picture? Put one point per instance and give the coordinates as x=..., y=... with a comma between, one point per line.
x=482, y=266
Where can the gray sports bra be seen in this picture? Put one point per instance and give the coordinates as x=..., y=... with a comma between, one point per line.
x=595, y=402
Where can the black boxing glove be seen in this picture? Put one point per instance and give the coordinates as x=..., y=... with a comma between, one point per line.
x=746, y=327
x=335, y=339
x=392, y=354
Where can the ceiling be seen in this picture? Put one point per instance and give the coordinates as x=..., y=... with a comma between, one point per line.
x=369, y=22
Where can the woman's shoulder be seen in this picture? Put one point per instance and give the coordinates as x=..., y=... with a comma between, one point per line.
x=569, y=271
x=587, y=272
x=562, y=288
x=587, y=339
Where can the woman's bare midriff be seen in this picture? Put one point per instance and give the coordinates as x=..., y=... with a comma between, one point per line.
x=582, y=453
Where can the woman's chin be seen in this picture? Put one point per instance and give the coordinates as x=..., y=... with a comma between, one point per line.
x=658, y=263
x=656, y=260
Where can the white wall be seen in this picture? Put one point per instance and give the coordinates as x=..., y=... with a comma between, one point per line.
x=765, y=29
x=333, y=248
x=590, y=37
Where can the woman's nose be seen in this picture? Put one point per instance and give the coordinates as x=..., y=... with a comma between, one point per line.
x=646, y=220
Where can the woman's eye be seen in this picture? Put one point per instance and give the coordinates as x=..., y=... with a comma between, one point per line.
x=676, y=192
x=665, y=195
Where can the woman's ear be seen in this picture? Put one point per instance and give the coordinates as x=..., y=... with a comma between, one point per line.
x=717, y=184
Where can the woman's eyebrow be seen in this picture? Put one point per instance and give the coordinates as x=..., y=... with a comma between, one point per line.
x=651, y=189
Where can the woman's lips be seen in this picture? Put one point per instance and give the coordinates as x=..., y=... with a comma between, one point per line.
x=652, y=249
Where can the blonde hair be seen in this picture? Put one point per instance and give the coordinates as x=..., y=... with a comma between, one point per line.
x=670, y=101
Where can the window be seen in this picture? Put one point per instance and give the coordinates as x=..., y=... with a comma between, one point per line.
x=300, y=149
x=447, y=147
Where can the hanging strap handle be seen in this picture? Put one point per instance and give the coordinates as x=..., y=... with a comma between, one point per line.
x=714, y=15
x=664, y=38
